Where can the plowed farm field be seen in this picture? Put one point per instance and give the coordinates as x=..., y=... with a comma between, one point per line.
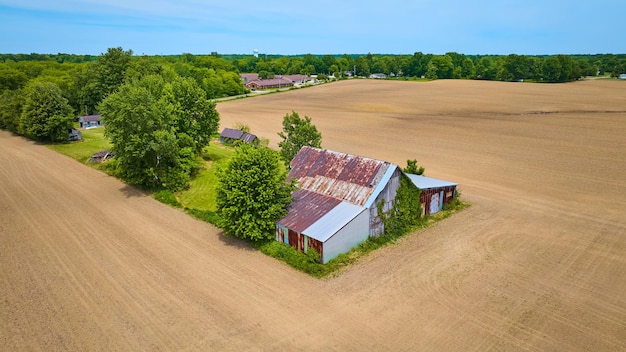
x=537, y=263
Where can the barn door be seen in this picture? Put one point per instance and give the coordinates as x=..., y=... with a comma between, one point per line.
x=434, y=203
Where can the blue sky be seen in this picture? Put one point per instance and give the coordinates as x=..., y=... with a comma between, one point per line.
x=155, y=27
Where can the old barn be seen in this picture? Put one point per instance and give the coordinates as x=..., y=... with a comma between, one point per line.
x=336, y=205
x=342, y=193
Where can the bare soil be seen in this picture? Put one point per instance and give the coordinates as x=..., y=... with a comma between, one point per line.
x=538, y=262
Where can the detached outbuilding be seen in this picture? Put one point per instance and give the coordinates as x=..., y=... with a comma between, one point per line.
x=338, y=199
x=231, y=135
x=435, y=193
x=90, y=121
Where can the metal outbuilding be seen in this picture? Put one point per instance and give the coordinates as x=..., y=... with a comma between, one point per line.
x=435, y=193
x=339, y=196
x=327, y=224
x=338, y=192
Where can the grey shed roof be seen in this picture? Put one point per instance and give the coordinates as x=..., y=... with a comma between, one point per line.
x=423, y=182
x=248, y=137
x=231, y=133
x=90, y=118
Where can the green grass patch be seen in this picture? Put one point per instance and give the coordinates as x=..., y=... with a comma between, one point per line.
x=93, y=141
x=167, y=197
x=201, y=193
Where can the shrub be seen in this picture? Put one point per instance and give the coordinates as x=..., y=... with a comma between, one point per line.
x=167, y=197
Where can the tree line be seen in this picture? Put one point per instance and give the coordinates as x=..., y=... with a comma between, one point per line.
x=40, y=94
x=452, y=65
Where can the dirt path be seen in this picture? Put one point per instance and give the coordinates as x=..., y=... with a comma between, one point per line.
x=537, y=263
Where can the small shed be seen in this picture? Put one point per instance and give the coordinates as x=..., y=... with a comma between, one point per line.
x=435, y=193
x=90, y=121
x=231, y=135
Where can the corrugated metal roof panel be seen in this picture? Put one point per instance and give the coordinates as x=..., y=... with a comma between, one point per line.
x=347, y=177
x=90, y=118
x=423, y=182
x=231, y=133
x=333, y=221
x=306, y=208
x=248, y=137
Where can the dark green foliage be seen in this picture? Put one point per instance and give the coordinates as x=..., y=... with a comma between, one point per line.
x=297, y=133
x=167, y=197
x=252, y=193
x=412, y=168
x=11, y=78
x=46, y=115
x=406, y=212
x=205, y=215
x=308, y=263
x=157, y=129
x=11, y=105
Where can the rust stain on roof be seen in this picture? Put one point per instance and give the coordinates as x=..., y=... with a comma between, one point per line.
x=306, y=208
x=343, y=176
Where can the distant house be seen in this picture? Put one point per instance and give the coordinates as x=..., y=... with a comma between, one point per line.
x=378, y=76
x=89, y=121
x=338, y=199
x=74, y=135
x=231, y=135
x=252, y=81
x=622, y=76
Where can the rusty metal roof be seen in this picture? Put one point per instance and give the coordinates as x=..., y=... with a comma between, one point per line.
x=343, y=176
x=306, y=208
x=317, y=215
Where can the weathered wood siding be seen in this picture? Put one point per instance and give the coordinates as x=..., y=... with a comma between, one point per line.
x=445, y=195
x=387, y=197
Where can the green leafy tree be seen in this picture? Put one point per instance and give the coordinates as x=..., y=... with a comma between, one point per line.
x=11, y=78
x=46, y=114
x=513, y=68
x=412, y=168
x=297, y=133
x=266, y=75
x=440, y=67
x=252, y=193
x=112, y=68
x=157, y=129
x=11, y=103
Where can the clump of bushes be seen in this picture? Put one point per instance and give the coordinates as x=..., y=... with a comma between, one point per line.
x=167, y=197
x=308, y=263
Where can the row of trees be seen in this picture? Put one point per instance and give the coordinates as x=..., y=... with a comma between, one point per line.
x=556, y=68
x=78, y=84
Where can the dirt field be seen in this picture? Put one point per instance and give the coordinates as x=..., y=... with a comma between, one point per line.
x=537, y=263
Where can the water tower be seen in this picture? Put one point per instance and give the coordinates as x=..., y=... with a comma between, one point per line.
x=256, y=52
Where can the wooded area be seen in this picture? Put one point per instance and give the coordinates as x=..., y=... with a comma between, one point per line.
x=83, y=81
